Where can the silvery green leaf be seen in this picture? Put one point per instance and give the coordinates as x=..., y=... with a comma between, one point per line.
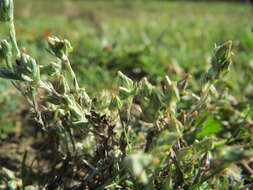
x=69, y=100
x=84, y=99
x=84, y=120
x=126, y=93
x=61, y=85
x=54, y=99
x=8, y=173
x=174, y=125
x=171, y=92
x=35, y=71
x=26, y=78
x=76, y=112
x=150, y=107
x=11, y=185
x=124, y=81
x=166, y=140
x=102, y=100
x=51, y=68
x=137, y=164
x=145, y=88
x=116, y=103
x=8, y=74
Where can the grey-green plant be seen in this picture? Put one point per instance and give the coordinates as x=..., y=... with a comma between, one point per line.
x=140, y=136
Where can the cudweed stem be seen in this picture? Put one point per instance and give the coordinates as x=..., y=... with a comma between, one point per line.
x=6, y=15
x=61, y=49
x=220, y=64
x=12, y=35
x=5, y=52
x=203, y=97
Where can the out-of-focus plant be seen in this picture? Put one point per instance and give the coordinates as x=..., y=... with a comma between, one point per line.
x=139, y=136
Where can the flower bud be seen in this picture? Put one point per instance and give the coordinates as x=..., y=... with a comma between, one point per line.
x=222, y=54
x=59, y=48
x=61, y=86
x=35, y=71
x=27, y=68
x=84, y=99
x=115, y=103
x=171, y=91
x=171, y=95
x=102, y=101
x=220, y=62
x=5, y=49
x=151, y=107
x=183, y=84
x=51, y=68
x=127, y=87
x=175, y=125
x=124, y=81
x=6, y=10
x=145, y=88
x=23, y=64
x=137, y=164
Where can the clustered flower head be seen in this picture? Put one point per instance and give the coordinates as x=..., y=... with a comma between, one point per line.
x=220, y=62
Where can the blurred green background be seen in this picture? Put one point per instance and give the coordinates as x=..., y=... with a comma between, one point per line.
x=140, y=38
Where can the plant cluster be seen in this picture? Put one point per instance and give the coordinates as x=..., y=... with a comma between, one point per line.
x=139, y=136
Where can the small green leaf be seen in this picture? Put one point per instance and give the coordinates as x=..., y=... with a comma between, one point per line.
x=210, y=127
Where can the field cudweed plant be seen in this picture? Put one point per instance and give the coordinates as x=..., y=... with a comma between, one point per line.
x=140, y=136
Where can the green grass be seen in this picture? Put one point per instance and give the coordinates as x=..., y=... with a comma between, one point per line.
x=148, y=37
